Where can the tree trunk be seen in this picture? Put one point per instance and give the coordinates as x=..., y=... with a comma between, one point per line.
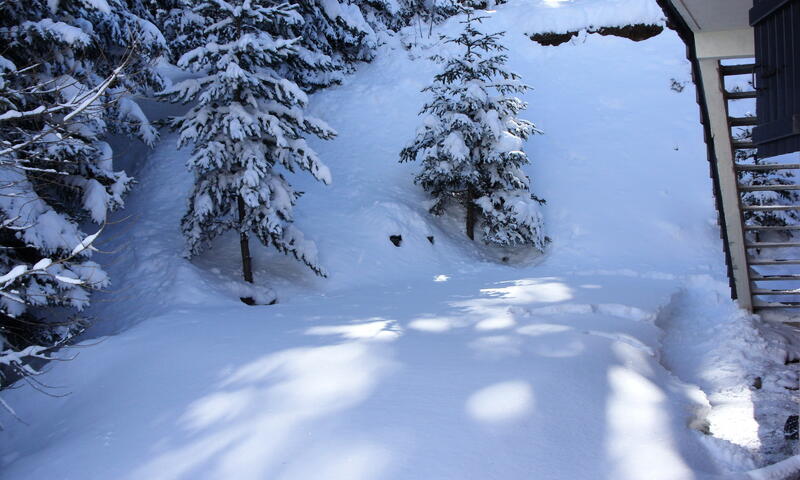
x=244, y=243
x=472, y=213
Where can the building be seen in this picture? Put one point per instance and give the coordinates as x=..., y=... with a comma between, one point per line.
x=761, y=38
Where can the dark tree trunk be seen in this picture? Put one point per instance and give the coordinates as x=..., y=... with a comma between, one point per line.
x=472, y=213
x=244, y=243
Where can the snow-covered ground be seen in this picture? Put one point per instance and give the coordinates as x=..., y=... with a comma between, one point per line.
x=617, y=354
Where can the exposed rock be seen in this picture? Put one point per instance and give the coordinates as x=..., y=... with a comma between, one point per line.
x=637, y=33
x=551, y=39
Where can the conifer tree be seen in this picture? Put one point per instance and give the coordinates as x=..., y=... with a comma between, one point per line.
x=331, y=39
x=246, y=131
x=334, y=36
x=470, y=144
x=66, y=69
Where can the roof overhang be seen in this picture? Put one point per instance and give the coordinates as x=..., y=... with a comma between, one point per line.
x=714, y=15
x=721, y=28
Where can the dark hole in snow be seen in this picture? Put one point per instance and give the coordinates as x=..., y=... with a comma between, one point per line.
x=637, y=33
x=430, y=239
x=396, y=239
x=790, y=428
x=504, y=259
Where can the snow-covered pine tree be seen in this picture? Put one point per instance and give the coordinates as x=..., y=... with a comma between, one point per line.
x=246, y=129
x=43, y=147
x=395, y=14
x=61, y=92
x=470, y=143
x=331, y=38
x=334, y=36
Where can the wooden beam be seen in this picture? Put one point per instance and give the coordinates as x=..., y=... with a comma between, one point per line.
x=762, y=306
x=741, y=95
x=777, y=228
x=770, y=208
x=745, y=167
x=768, y=188
x=772, y=245
x=774, y=262
x=721, y=136
x=774, y=278
x=725, y=44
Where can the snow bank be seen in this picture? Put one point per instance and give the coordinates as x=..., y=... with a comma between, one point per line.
x=562, y=16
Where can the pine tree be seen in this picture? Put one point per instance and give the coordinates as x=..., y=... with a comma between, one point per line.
x=246, y=129
x=393, y=15
x=65, y=72
x=470, y=144
x=334, y=37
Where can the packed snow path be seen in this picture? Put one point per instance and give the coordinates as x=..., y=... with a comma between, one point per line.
x=432, y=361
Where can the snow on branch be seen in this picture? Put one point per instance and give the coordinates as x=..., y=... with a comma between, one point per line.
x=74, y=107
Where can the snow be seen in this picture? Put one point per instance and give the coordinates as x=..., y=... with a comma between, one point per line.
x=60, y=31
x=101, y=5
x=561, y=16
x=503, y=402
x=607, y=357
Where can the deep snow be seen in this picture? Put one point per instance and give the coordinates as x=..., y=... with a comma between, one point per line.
x=615, y=355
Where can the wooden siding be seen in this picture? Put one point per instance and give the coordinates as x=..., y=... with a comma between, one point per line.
x=777, y=40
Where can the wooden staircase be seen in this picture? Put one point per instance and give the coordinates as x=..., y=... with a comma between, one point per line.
x=767, y=277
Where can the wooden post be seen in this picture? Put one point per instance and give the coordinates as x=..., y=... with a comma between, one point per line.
x=721, y=136
x=244, y=244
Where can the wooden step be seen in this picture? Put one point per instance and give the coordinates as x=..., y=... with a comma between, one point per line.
x=769, y=305
x=741, y=95
x=772, y=261
x=743, y=69
x=761, y=291
x=769, y=208
x=743, y=167
x=767, y=188
x=742, y=121
x=772, y=245
x=772, y=227
x=773, y=278
x=743, y=145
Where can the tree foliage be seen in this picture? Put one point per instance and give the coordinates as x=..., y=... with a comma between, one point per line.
x=470, y=144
